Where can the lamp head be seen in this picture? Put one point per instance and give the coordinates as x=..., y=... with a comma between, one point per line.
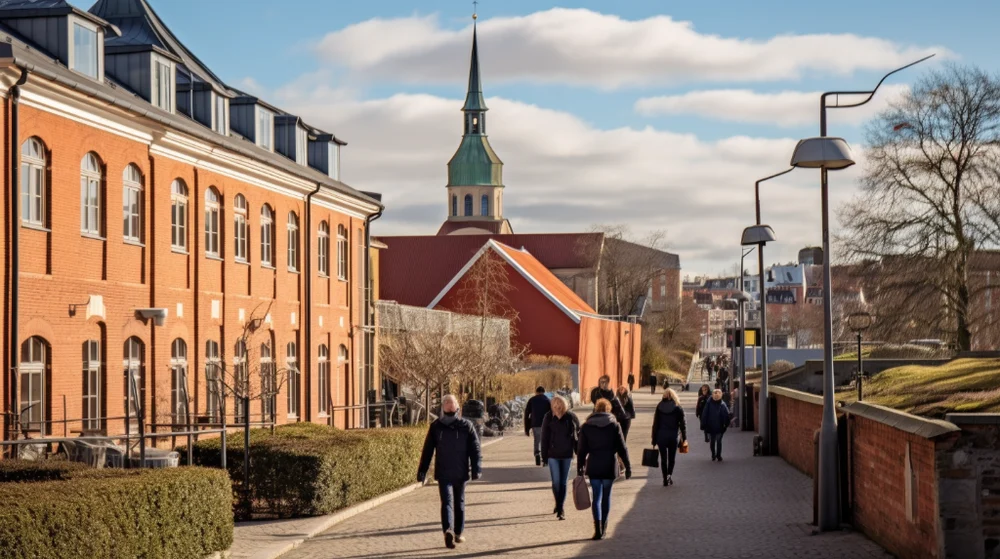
x=822, y=153
x=757, y=235
x=860, y=321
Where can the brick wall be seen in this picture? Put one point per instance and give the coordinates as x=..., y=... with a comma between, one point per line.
x=799, y=416
x=969, y=487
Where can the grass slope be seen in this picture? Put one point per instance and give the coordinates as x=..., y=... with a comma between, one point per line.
x=964, y=386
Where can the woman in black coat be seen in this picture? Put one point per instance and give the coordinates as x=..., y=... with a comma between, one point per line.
x=601, y=444
x=668, y=423
x=560, y=434
x=704, y=393
x=625, y=397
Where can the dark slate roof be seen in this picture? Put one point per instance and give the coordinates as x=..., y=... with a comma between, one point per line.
x=47, y=8
x=413, y=270
x=663, y=259
x=474, y=98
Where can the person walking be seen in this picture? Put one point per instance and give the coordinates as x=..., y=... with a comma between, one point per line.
x=603, y=390
x=668, y=423
x=601, y=445
x=458, y=458
x=715, y=421
x=625, y=397
x=560, y=435
x=534, y=413
x=704, y=394
x=631, y=382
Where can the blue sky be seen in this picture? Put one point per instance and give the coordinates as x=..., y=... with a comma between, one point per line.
x=334, y=64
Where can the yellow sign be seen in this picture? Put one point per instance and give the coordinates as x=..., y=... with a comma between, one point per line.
x=750, y=338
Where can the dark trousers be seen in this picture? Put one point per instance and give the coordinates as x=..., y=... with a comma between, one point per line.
x=601, y=501
x=452, y=505
x=536, y=432
x=668, y=453
x=652, y=387
x=716, y=443
x=631, y=386
x=626, y=425
x=559, y=470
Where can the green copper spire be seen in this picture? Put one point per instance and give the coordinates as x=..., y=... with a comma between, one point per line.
x=475, y=163
x=474, y=99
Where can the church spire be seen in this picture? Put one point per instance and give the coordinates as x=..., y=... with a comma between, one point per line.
x=474, y=98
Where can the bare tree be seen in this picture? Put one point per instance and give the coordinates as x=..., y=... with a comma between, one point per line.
x=628, y=265
x=930, y=198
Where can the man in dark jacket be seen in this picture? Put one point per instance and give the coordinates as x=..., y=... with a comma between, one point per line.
x=454, y=441
x=603, y=390
x=534, y=413
x=715, y=421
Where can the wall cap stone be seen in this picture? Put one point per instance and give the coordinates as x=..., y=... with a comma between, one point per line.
x=796, y=395
x=922, y=427
x=973, y=418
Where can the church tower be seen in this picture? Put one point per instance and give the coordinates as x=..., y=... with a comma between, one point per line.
x=475, y=173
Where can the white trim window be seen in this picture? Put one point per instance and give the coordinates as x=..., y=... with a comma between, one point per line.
x=162, y=92
x=92, y=382
x=240, y=380
x=293, y=242
x=90, y=195
x=266, y=236
x=85, y=54
x=301, y=146
x=292, y=363
x=132, y=203
x=32, y=369
x=265, y=128
x=178, y=215
x=341, y=253
x=33, y=182
x=240, y=227
x=268, y=383
x=133, y=362
x=323, y=364
x=213, y=381
x=178, y=385
x=220, y=115
x=323, y=245
x=213, y=208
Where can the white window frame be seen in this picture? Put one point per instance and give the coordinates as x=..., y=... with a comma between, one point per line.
x=240, y=228
x=268, y=381
x=293, y=242
x=90, y=194
x=213, y=215
x=342, y=253
x=267, y=236
x=239, y=377
x=75, y=22
x=264, y=141
x=178, y=392
x=32, y=376
x=132, y=366
x=220, y=119
x=132, y=203
x=323, y=364
x=484, y=209
x=155, y=86
x=213, y=381
x=292, y=363
x=323, y=245
x=178, y=215
x=33, y=195
x=92, y=381
x=333, y=160
x=301, y=145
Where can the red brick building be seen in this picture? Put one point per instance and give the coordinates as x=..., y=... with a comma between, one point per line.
x=149, y=188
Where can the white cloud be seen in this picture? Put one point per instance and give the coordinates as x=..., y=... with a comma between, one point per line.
x=582, y=47
x=785, y=108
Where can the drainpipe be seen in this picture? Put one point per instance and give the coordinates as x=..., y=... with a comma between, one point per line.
x=306, y=324
x=369, y=322
x=14, y=215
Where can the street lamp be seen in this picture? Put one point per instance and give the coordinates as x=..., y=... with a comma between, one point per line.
x=826, y=153
x=858, y=322
x=760, y=235
x=741, y=297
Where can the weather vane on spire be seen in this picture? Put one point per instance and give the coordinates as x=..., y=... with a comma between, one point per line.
x=475, y=5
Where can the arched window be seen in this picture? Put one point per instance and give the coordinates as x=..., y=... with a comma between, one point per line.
x=293, y=242
x=178, y=215
x=241, y=381
x=33, y=370
x=132, y=203
x=324, y=249
x=178, y=382
x=213, y=207
x=93, y=380
x=33, y=182
x=323, y=364
x=266, y=236
x=468, y=204
x=269, y=382
x=344, y=369
x=213, y=381
x=90, y=194
x=292, y=364
x=135, y=391
x=240, y=227
x=454, y=204
x=484, y=205
x=342, y=253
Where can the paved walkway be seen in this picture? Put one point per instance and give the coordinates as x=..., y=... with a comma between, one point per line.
x=743, y=507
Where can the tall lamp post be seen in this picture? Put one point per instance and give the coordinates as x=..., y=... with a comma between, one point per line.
x=858, y=322
x=760, y=235
x=741, y=298
x=827, y=153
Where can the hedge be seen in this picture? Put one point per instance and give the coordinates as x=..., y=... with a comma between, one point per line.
x=305, y=469
x=97, y=514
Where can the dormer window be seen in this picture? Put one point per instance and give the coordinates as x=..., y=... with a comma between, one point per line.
x=85, y=56
x=220, y=116
x=265, y=128
x=334, y=162
x=301, y=146
x=162, y=92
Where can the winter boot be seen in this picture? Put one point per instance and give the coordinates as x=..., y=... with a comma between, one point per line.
x=598, y=534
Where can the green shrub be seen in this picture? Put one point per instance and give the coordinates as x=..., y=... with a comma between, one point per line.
x=48, y=470
x=305, y=469
x=97, y=514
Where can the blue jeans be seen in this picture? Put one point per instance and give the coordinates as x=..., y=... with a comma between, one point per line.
x=452, y=505
x=559, y=469
x=716, y=444
x=601, y=491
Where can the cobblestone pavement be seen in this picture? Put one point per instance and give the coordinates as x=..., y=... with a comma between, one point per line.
x=742, y=507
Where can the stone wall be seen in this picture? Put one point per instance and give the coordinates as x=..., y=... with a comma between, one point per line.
x=969, y=470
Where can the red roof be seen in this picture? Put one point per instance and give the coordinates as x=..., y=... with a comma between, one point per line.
x=413, y=270
x=538, y=274
x=491, y=225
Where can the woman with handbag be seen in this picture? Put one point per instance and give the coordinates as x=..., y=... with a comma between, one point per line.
x=669, y=431
x=625, y=397
x=601, y=440
x=560, y=433
x=704, y=394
